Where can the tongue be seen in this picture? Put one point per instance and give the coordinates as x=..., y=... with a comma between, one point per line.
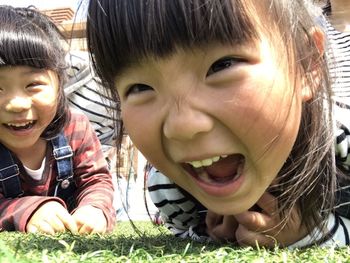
x=226, y=167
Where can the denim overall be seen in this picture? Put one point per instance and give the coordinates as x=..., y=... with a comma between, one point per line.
x=62, y=152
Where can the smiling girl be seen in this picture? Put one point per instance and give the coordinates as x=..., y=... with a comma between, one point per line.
x=52, y=171
x=230, y=100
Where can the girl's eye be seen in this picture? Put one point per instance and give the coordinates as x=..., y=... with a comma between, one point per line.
x=137, y=88
x=34, y=85
x=224, y=63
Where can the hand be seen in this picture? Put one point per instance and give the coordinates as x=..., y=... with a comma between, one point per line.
x=266, y=227
x=51, y=218
x=90, y=220
x=221, y=228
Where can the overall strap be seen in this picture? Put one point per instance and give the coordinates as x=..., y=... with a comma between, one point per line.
x=9, y=174
x=63, y=154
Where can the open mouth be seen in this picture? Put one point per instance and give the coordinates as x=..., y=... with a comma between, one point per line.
x=20, y=126
x=221, y=170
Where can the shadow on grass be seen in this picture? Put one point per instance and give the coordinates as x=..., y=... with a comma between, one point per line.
x=158, y=241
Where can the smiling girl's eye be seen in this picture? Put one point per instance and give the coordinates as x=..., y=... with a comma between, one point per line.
x=224, y=63
x=34, y=86
x=137, y=88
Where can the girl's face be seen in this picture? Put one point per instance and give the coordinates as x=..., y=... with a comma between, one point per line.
x=220, y=121
x=28, y=102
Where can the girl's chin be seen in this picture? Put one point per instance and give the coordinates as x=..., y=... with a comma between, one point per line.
x=228, y=206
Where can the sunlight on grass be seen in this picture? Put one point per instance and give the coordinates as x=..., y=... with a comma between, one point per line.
x=152, y=244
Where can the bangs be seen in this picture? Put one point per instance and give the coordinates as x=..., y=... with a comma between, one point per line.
x=22, y=49
x=126, y=31
x=24, y=43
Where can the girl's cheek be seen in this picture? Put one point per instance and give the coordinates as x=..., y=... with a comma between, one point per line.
x=46, y=98
x=132, y=121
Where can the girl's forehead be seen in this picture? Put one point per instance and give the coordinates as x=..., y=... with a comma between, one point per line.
x=26, y=70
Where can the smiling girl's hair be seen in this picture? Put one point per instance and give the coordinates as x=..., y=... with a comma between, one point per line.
x=120, y=33
x=30, y=38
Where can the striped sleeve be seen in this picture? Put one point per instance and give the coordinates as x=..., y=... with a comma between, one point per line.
x=338, y=56
x=342, y=131
x=181, y=215
x=336, y=234
x=342, y=154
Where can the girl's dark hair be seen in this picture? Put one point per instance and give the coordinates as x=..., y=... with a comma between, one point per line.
x=122, y=32
x=327, y=9
x=30, y=38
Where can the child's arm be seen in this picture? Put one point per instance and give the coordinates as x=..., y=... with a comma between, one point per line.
x=93, y=180
x=265, y=228
x=15, y=213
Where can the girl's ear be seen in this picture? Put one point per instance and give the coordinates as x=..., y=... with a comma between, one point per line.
x=318, y=37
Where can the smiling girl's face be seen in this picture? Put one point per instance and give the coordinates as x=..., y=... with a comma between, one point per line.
x=219, y=120
x=28, y=103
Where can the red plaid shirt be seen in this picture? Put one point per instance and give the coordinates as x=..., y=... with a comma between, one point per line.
x=91, y=176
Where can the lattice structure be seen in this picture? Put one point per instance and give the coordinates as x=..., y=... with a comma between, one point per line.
x=59, y=15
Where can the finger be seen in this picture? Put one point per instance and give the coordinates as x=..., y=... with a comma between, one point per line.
x=245, y=237
x=212, y=219
x=255, y=221
x=268, y=203
x=68, y=222
x=57, y=224
x=101, y=229
x=226, y=230
x=45, y=227
x=31, y=228
x=85, y=229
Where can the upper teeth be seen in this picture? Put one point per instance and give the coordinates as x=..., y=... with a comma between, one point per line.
x=206, y=162
x=20, y=124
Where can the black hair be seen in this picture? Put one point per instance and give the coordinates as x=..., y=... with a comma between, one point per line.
x=151, y=18
x=30, y=38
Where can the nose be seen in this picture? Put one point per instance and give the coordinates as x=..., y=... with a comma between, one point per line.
x=18, y=104
x=185, y=123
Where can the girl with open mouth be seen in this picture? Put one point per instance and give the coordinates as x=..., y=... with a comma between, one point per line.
x=231, y=104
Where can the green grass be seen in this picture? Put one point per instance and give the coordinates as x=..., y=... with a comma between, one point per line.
x=155, y=244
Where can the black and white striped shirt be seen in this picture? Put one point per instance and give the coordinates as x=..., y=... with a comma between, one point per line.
x=85, y=93
x=338, y=55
